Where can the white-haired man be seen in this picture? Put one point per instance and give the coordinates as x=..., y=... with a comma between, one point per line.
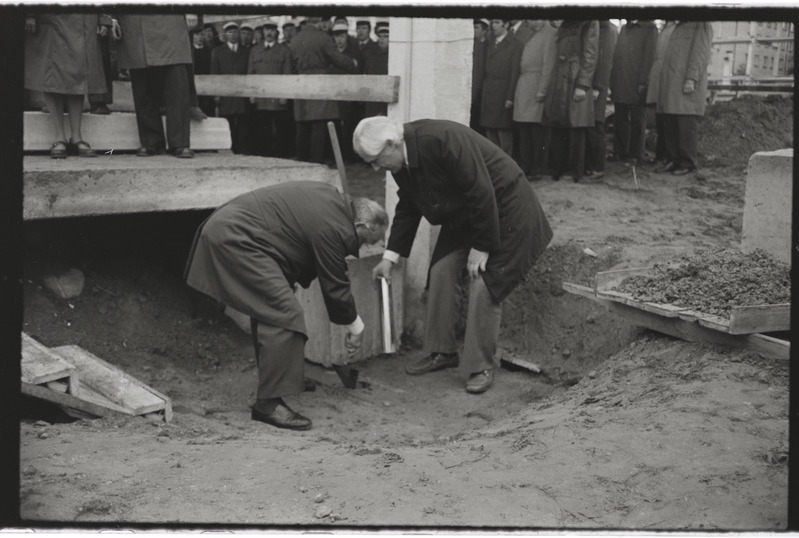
x=251, y=252
x=490, y=220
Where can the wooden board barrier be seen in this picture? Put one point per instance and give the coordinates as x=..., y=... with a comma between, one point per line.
x=39, y=365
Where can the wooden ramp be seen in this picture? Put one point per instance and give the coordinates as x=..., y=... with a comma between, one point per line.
x=74, y=378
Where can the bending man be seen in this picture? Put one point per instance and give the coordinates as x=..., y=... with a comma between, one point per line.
x=490, y=219
x=251, y=252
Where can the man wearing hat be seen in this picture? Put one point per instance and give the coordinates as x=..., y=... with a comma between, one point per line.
x=233, y=59
x=246, y=33
x=347, y=110
x=289, y=30
x=478, y=66
x=377, y=64
x=271, y=121
x=201, y=55
x=314, y=53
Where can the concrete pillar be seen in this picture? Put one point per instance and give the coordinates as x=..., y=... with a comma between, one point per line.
x=433, y=58
x=767, y=204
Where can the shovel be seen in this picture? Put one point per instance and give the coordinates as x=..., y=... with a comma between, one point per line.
x=347, y=374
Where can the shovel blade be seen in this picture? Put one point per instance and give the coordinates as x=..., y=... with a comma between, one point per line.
x=348, y=375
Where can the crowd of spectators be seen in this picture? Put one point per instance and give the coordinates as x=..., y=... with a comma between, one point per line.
x=540, y=89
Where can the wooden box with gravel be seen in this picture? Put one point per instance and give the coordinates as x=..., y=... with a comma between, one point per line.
x=743, y=293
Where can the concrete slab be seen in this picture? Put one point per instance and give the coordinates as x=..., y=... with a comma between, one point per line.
x=118, y=132
x=767, y=221
x=116, y=184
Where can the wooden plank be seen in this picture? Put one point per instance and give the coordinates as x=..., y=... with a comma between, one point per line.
x=118, y=132
x=374, y=88
x=521, y=363
x=763, y=318
x=111, y=382
x=40, y=365
x=67, y=400
x=689, y=329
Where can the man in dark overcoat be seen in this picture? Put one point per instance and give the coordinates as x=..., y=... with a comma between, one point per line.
x=231, y=58
x=490, y=219
x=272, y=121
x=348, y=111
x=569, y=106
x=251, y=252
x=313, y=52
x=157, y=52
x=501, y=74
x=629, y=79
x=478, y=68
x=376, y=63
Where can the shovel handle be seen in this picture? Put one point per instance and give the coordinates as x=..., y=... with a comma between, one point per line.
x=342, y=173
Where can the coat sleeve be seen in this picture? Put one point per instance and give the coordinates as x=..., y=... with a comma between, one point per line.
x=405, y=223
x=331, y=269
x=548, y=67
x=647, y=55
x=604, y=63
x=588, y=56
x=699, y=54
x=463, y=162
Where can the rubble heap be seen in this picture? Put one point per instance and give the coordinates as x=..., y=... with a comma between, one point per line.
x=714, y=281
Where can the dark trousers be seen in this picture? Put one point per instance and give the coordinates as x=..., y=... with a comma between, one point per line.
x=345, y=127
x=280, y=362
x=681, y=139
x=502, y=138
x=567, y=151
x=474, y=118
x=483, y=315
x=534, y=148
x=312, y=140
x=271, y=130
x=240, y=133
x=152, y=87
x=105, y=54
x=595, y=147
x=630, y=131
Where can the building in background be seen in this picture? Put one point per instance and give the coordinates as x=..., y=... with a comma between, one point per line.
x=753, y=48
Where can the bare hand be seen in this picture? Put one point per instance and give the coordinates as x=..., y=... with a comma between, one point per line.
x=579, y=95
x=540, y=97
x=476, y=262
x=352, y=343
x=30, y=24
x=383, y=269
x=508, y=104
x=596, y=94
x=642, y=88
x=102, y=31
x=689, y=86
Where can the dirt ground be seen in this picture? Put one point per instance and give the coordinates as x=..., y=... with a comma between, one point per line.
x=623, y=429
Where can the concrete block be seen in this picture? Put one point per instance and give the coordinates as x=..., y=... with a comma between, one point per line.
x=326, y=339
x=118, y=132
x=767, y=221
x=116, y=184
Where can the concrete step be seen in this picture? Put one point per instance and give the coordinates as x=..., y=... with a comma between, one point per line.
x=118, y=132
x=117, y=184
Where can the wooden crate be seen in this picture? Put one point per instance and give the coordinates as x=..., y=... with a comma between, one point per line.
x=742, y=320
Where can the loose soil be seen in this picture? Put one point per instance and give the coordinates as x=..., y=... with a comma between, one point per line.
x=624, y=428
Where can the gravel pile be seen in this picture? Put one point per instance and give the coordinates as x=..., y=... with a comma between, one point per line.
x=713, y=282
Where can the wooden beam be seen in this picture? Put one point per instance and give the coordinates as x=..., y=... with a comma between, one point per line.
x=689, y=330
x=377, y=88
x=67, y=400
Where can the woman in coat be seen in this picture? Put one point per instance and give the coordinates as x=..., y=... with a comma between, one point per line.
x=538, y=58
x=491, y=223
x=63, y=60
x=569, y=107
x=682, y=91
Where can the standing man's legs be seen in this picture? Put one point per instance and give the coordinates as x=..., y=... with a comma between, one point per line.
x=540, y=148
x=147, y=88
x=177, y=105
x=621, y=131
x=595, y=141
x=482, y=329
x=686, y=142
x=576, y=152
x=671, y=141
x=637, y=132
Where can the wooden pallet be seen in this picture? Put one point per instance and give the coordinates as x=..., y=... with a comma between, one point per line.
x=742, y=320
x=72, y=377
x=686, y=329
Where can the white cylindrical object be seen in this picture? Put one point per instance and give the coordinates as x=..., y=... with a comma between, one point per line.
x=385, y=316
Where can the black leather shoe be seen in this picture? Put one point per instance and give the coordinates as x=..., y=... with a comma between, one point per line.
x=282, y=417
x=146, y=152
x=480, y=381
x=99, y=108
x=432, y=362
x=184, y=153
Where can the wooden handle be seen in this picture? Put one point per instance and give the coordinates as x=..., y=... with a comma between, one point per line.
x=342, y=173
